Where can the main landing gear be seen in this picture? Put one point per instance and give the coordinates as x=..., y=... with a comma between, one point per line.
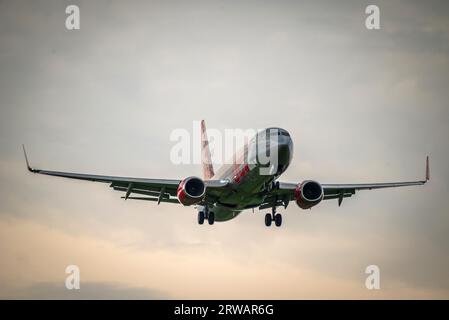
x=202, y=215
x=273, y=216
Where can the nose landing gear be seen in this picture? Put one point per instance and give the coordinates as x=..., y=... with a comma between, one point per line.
x=273, y=216
x=202, y=215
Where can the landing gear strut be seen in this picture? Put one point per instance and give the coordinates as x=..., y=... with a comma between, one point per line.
x=273, y=216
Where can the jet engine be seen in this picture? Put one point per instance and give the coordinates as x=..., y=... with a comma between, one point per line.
x=308, y=194
x=191, y=190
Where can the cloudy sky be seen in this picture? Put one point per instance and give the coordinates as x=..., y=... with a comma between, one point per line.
x=361, y=106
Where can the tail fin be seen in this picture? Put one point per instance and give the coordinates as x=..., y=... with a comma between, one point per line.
x=206, y=160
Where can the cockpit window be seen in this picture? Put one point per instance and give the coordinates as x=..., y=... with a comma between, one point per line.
x=277, y=132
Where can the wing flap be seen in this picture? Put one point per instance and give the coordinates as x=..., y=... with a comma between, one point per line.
x=154, y=199
x=369, y=186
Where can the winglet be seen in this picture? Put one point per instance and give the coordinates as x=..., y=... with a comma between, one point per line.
x=26, y=159
x=427, y=169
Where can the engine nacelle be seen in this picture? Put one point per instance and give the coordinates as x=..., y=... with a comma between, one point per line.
x=191, y=190
x=308, y=194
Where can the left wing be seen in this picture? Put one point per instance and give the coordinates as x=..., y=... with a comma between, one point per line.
x=286, y=191
x=159, y=190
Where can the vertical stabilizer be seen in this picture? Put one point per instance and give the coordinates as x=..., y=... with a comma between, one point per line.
x=206, y=160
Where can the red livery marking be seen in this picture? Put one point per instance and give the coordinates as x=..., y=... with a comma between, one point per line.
x=241, y=174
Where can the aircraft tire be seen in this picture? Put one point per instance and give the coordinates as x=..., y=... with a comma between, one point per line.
x=200, y=217
x=278, y=220
x=268, y=220
x=211, y=218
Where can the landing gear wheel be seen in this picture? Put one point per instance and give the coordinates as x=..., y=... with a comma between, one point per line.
x=200, y=217
x=278, y=220
x=211, y=218
x=268, y=219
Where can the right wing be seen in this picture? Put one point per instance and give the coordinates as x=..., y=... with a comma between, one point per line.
x=159, y=190
x=340, y=191
x=286, y=191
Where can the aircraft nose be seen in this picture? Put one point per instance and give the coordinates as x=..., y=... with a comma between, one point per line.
x=285, y=152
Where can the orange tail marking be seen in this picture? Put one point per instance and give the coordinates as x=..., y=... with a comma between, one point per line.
x=206, y=160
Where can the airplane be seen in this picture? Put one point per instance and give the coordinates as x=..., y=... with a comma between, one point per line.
x=237, y=186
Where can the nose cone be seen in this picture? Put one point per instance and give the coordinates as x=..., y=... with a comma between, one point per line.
x=280, y=149
x=285, y=151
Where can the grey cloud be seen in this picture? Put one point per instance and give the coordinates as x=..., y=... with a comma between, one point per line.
x=87, y=291
x=360, y=105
